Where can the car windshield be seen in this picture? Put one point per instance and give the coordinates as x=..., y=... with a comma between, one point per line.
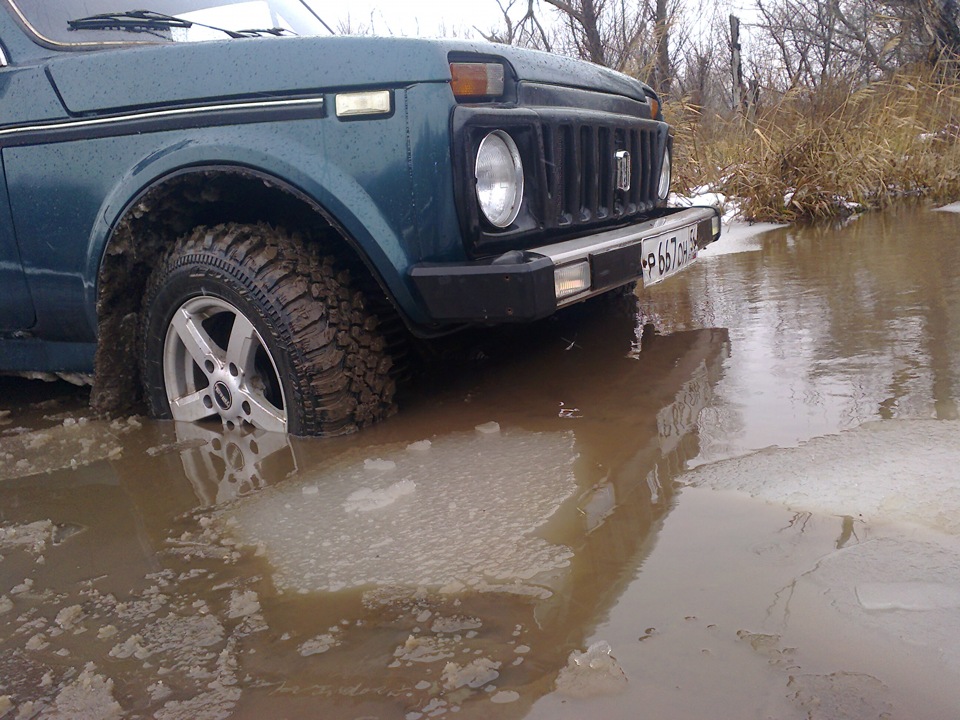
x=117, y=21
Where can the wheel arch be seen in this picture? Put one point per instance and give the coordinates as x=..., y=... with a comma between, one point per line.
x=163, y=211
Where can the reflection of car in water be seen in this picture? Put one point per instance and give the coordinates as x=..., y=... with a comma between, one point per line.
x=615, y=458
x=225, y=464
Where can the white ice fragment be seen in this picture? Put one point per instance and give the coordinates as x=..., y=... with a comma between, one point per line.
x=521, y=649
x=37, y=642
x=455, y=624
x=379, y=465
x=69, y=617
x=107, y=631
x=591, y=673
x=419, y=446
x=475, y=674
x=365, y=499
x=310, y=490
x=90, y=695
x=423, y=685
x=243, y=604
x=6, y=604
x=22, y=587
x=505, y=696
x=908, y=596
x=488, y=428
x=319, y=644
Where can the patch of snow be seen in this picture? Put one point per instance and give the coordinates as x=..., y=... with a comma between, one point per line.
x=952, y=207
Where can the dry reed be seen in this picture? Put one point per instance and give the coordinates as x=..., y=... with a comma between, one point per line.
x=814, y=157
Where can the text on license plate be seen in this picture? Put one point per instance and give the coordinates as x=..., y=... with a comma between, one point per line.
x=664, y=255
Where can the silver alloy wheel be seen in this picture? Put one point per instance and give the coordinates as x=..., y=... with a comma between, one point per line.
x=216, y=363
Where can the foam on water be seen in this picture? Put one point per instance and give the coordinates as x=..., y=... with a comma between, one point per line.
x=460, y=512
x=900, y=470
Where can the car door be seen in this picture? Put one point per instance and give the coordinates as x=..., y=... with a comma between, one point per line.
x=16, y=305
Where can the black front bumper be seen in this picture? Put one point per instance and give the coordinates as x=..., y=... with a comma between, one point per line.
x=518, y=286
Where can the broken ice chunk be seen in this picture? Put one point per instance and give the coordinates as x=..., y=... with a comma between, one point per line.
x=489, y=428
x=591, y=673
x=365, y=499
x=379, y=465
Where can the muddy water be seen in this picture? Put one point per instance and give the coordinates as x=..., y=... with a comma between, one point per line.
x=740, y=502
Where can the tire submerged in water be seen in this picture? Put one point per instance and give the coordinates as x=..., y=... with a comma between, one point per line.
x=249, y=323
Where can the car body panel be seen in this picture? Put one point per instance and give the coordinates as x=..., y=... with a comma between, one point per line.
x=85, y=134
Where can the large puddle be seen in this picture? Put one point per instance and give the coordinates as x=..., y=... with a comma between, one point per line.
x=740, y=502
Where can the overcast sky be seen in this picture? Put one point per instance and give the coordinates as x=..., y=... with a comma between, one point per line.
x=413, y=17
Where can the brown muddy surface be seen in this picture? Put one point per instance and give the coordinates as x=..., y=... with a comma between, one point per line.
x=742, y=501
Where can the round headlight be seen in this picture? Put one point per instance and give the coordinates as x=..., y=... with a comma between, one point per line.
x=663, y=190
x=499, y=174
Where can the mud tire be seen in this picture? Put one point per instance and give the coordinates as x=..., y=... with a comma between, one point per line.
x=330, y=360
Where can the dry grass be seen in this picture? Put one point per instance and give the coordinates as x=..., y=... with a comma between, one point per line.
x=814, y=157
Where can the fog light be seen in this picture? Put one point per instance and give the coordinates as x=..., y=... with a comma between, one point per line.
x=571, y=279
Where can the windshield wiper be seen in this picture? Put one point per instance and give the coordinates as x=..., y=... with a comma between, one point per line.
x=257, y=32
x=143, y=21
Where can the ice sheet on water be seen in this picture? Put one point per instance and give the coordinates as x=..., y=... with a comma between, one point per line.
x=898, y=470
x=907, y=589
x=952, y=207
x=917, y=596
x=71, y=444
x=461, y=513
x=738, y=237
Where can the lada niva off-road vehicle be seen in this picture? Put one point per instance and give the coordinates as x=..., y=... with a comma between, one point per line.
x=221, y=210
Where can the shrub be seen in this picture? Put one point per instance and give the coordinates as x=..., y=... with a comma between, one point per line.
x=815, y=156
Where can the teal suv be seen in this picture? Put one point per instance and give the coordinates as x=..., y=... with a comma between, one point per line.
x=219, y=211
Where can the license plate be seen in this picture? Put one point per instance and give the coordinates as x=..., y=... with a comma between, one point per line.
x=666, y=255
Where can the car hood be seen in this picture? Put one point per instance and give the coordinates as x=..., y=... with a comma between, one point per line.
x=157, y=75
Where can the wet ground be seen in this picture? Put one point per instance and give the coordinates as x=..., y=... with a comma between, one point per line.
x=742, y=502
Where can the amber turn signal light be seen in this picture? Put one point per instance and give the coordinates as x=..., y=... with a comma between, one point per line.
x=476, y=79
x=654, y=108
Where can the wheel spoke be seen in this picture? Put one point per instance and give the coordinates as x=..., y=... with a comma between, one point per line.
x=194, y=338
x=243, y=343
x=263, y=414
x=189, y=408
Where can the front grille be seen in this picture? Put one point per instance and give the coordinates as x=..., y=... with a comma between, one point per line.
x=570, y=172
x=581, y=172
